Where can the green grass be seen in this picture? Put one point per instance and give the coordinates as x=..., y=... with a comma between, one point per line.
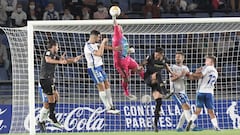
x=205, y=132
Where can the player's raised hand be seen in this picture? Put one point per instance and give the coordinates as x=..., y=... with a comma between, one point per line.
x=105, y=41
x=76, y=59
x=114, y=20
x=184, y=72
x=173, y=74
x=140, y=68
x=198, y=70
x=63, y=55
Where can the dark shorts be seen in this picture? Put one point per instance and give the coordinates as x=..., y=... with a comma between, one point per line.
x=48, y=86
x=160, y=87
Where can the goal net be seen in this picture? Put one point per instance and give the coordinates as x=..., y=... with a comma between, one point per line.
x=80, y=109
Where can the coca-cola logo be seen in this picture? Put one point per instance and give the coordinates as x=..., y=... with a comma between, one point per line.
x=81, y=118
x=2, y=126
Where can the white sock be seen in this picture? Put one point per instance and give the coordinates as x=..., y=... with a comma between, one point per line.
x=103, y=97
x=46, y=115
x=43, y=113
x=181, y=121
x=194, y=117
x=187, y=115
x=109, y=96
x=214, y=122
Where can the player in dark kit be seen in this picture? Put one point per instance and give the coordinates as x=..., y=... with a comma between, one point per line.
x=152, y=77
x=49, y=93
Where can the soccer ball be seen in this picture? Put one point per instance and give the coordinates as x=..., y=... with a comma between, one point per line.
x=115, y=11
x=146, y=99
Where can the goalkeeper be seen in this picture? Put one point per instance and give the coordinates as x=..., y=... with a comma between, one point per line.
x=123, y=63
x=152, y=77
x=49, y=92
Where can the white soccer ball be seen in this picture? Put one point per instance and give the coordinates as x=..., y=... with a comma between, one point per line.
x=146, y=99
x=115, y=11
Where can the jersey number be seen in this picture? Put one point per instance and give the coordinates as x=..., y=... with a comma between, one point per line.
x=212, y=80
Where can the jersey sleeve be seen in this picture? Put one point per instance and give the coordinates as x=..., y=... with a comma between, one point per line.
x=205, y=70
x=48, y=53
x=117, y=36
x=89, y=49
x=167, y=61
x=148, y=58
x=187, y=69
x=172, y=68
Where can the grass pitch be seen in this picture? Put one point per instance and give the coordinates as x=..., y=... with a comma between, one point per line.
x=205, y=132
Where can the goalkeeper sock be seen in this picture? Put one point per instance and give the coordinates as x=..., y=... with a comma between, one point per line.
x=103, y=97
x=181, y=121
x=187, y=115
x=125, y=88
x=157, y=110
x=109, y=96
x=43, y=114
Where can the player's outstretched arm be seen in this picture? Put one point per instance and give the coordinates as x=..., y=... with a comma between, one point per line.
x=117, y=48
x=74, y=59
x=145, y=62
x=176, y=77
x=117, y=35
x=100, y=51
x=114, y=20
x=194, y=76
x=169, y=70
x=54, y=61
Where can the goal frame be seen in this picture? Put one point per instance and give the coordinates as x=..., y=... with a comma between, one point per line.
x=30, y=33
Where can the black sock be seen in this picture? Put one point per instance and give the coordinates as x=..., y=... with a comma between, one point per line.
x=55, y=104
x=157, y=110
x=51, y=111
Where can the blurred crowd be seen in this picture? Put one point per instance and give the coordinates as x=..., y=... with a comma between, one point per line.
x=15, y=13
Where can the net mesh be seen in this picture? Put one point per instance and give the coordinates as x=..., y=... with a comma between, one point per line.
x=79, y=107
x=18, y=47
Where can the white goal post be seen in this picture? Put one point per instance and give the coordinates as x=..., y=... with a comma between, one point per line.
x=144, y=35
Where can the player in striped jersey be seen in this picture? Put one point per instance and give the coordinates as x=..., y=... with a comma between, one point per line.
x=207, y=77
x=177, y=85
x=93, y=55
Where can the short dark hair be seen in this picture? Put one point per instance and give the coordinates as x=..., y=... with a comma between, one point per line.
x=212, y=57
x=159, y=50
x=51, y=43
x=94, y=32
x=181, y=53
